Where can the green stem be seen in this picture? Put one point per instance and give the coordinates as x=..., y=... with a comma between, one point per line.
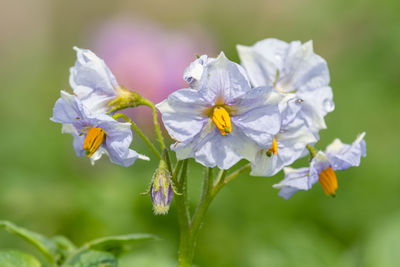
x=220, y=177
x=167, y=160
x=190, y=227
x=148, y=103
x=190, y=232
x=176, y=171
x=205, y=199
x=139, y=132
x=313, y=152
x=186, y=250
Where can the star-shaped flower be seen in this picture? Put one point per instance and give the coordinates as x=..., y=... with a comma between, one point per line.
x=337, y=156
x=288, y=145
x=94, y=134
x=292, y=68
x=224, y=119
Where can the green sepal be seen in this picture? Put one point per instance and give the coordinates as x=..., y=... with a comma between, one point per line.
x=125, y=99
x=312, y=150
x=174, y=188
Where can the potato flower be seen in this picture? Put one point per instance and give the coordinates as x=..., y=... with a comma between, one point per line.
x=337, y=156
x=94, y=134
x=224, y=119
x=292, y=68
x=288, y=145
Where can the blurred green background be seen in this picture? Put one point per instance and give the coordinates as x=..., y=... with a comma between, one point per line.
x=46, y=188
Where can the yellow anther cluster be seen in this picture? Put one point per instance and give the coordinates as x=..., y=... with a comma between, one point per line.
x=93, y=140
x=273, y=149
x=328, y=181
x=222, y=120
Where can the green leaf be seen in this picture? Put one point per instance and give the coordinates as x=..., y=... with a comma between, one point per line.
x=13, y=258
x=92, y=258
x=65, y=247
x=46, y=246
x=117, y=244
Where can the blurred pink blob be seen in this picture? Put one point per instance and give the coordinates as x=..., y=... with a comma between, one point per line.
x=149, y=59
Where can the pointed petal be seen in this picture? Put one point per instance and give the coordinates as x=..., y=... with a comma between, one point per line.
x=316, y=105
x=257, y=117
x=263, y=60
x=343, y=156
x=295, y=180
x=90, y=73
x=68, y=109
x=303, y=69
x=193, y=73
x=224, y=79
x=224, y=151
x=291, y=146
x=183, y=114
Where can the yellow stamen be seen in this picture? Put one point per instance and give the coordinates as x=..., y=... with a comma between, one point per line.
x=273, y=149
x=93, y=140
x=222, y=120
x=328, y=181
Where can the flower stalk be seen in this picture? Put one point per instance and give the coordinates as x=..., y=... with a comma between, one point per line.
x=190, y=226
x=140, y=133
x=157, y=128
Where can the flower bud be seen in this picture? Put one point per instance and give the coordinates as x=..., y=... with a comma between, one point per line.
x=161, y=190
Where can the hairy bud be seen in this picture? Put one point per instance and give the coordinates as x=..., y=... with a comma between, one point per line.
x=161, y=190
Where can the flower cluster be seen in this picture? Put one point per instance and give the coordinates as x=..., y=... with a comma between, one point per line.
x=267, y=110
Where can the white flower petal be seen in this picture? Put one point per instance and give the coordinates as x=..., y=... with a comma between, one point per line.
x=223, y=79
x=343, y=156
x=295, y=180
x=183, y=114
x=263, y=60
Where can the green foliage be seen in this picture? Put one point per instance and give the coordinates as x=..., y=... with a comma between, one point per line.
x=13, y=258
x=65, y=247
x=46, y=246
x=92, y=258
x=60, y=251
x=116, y=244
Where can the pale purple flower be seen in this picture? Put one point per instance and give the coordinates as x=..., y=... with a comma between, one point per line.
x=292, y=68
x=93, y=82
x=224, y=120
x=107, y=136
x=289, y=145
x=337, y=156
